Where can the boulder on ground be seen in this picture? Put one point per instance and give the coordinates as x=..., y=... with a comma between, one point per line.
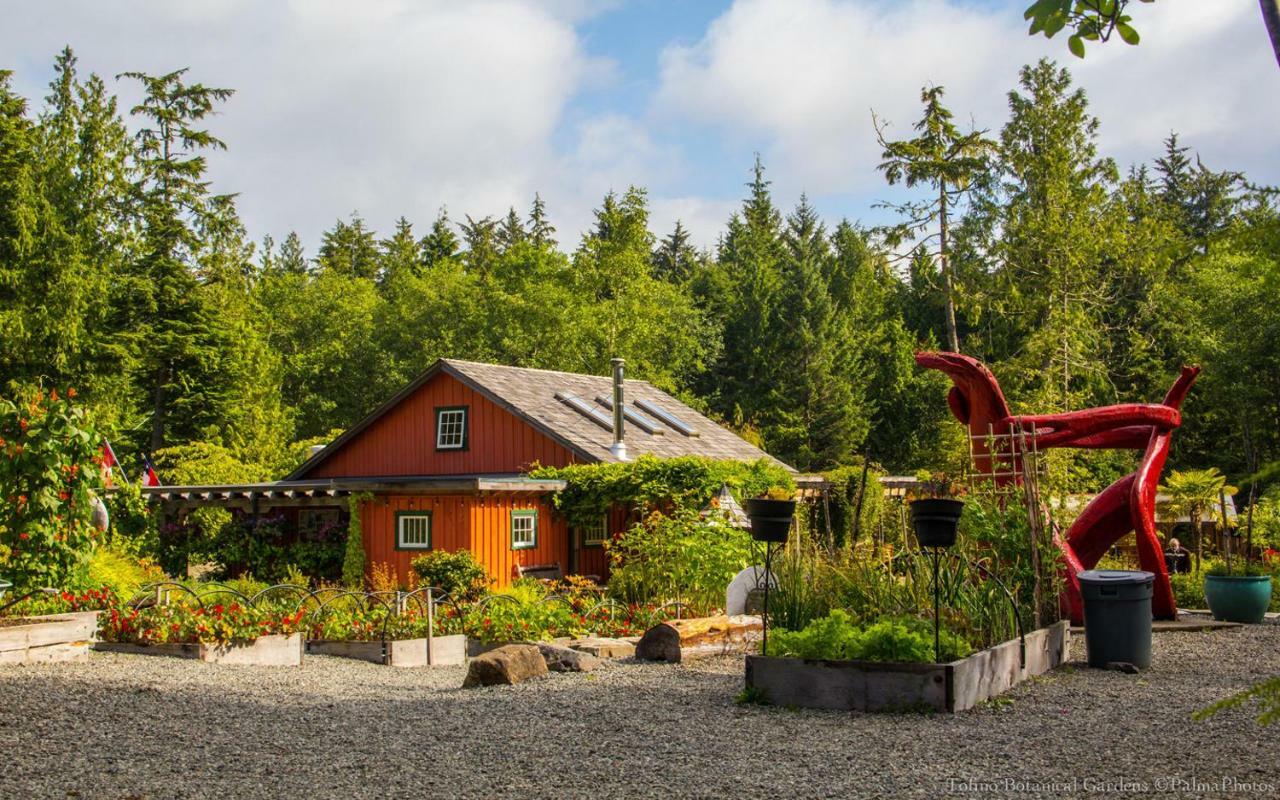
x=563, y=659
x=603, y=647
x=506, y=665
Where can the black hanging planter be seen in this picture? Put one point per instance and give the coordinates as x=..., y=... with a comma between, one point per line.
x=935, y=521
x=770, y=519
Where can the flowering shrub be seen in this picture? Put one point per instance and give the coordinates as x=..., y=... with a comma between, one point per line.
x=184, y=623
x=369, y=624
x=50, y=468
x=62, y=603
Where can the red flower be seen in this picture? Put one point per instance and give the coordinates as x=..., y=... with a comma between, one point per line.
x=23, y=535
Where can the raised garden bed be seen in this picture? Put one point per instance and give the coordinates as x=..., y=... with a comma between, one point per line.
x=882, y=686
x=275, y=650
x=435, y=652
x=44, y=639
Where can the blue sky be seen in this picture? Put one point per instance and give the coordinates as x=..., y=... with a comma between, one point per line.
x=395, y=107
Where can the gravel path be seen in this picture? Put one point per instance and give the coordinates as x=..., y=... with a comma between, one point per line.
x=147, y=727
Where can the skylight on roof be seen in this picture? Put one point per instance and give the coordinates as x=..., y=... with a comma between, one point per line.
x=641, y=421
x=586, y=409
x=669, y=419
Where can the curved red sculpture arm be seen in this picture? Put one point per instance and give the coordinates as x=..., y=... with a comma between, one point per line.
x=1064, y=430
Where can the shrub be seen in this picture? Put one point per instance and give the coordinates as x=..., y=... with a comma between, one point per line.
x=182, y=622
x=896, y=639
x=124, y=575
x=457, y=572
x=680, y=556
x=50, y=471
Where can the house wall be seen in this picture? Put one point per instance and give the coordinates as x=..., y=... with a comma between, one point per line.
x=403, y=441
x=480, y=523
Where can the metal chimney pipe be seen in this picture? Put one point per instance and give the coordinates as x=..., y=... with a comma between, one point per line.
x=619, y=448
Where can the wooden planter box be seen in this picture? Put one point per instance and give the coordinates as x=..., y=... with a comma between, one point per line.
x=56, y=637
x=277, y=650
x=435, y=652
x=881, y=686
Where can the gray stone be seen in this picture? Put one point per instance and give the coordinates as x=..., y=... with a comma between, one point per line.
x=506, y=665
x=563, y=659
x=1123, y=666
x=603, y=647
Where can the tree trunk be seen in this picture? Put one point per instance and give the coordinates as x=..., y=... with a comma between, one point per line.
x=948, y=285
x=1271, y=17
x=680, y=639
x=157, y=410
x=857, y=508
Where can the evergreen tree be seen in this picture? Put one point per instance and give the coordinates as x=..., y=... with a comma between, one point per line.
x=510, y=231
x=675, y=260
x=481, y=237
x=173, y=198
x=441, y=243
x=541, y=230
x=292, y=259
x=948, y=161
x=400, y=252
x=350, y=249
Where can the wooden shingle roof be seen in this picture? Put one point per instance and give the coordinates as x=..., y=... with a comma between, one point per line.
x=537, y=397
x=532, y=395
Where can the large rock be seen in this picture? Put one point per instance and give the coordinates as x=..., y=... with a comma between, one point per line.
x=681, y=639
x=603, y=647
x=506, y=665
x=562, y=659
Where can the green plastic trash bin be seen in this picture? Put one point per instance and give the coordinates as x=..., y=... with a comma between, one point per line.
x=1117, y=616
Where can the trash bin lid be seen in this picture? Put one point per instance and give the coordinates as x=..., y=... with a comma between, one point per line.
x=1115, y=577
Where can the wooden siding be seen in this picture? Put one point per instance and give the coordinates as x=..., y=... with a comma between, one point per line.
x=480, y=523
x=403, y=441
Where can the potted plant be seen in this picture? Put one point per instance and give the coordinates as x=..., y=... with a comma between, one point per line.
x=771, y=515
x=1244, y=595
x=935, y=510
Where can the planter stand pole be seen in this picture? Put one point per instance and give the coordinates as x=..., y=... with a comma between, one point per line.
x=768, y=574
x=937, y=649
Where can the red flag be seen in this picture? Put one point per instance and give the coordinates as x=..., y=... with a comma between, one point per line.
x=110, y=463
x=149, y=476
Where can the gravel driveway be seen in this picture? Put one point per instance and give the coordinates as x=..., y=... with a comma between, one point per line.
x=148, y=727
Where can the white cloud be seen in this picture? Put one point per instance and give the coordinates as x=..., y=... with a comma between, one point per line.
x=389, y=108
x=797, y=80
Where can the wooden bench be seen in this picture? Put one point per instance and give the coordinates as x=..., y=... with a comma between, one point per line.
x=544, y=572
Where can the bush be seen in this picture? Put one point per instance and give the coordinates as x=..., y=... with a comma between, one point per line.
x=680, y=556
x=458, y=573
x=113, y=568
x=895, y=639
x=50, y=474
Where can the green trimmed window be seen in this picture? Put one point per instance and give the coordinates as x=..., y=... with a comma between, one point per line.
x=413, y=530
x=524, y=529
x=451, y=428
x=592, y=535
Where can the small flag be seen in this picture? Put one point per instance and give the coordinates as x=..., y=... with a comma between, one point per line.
x=110, y=463
x=149, y=477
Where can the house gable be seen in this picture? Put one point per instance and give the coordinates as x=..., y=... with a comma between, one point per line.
x=400, y=438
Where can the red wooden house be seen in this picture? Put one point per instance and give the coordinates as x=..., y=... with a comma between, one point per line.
x=445, y=464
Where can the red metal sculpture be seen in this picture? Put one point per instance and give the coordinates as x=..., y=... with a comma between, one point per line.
x=1127, y=505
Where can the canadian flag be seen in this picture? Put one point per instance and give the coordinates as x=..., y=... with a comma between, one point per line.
x=149, y=476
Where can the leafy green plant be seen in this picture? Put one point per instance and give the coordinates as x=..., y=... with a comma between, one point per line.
x=353, y=552
x=838, y=637
x=458, y=573
x=1267, y=694
x=50, y=473
x=681, y=556
x=651, y=484
x=752, y=696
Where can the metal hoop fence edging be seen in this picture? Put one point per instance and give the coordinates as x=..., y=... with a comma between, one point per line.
x=32, y=593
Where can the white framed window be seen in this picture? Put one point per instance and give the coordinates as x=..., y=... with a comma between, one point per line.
x=413, y=530
x=595, y=534
x=524, y=529
x=451, y=428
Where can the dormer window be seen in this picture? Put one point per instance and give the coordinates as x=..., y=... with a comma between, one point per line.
x=451, y=428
